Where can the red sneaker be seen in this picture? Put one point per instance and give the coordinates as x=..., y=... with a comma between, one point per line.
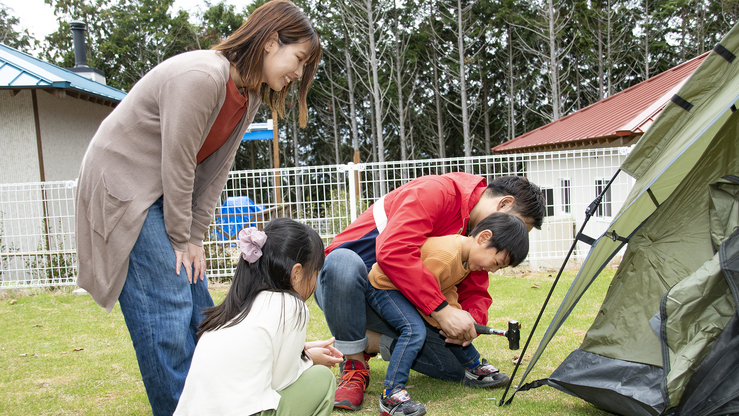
x=354, y=380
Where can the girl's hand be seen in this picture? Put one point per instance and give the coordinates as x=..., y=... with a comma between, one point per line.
x=323, y=353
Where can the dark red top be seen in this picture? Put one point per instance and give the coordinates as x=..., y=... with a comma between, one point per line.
x=228, y=118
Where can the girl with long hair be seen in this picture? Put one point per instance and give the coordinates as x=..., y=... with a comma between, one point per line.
x=252, y=357
x=153, y=174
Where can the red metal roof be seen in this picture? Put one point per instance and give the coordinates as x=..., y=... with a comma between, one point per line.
x=618, y=120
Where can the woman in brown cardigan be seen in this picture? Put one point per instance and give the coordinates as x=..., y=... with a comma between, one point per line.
x=154, y=171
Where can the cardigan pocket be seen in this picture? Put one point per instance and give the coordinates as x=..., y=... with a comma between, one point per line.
x=105, y=209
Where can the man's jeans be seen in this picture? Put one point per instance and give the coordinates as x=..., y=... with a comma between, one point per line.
x=340, y=293
x=162, y=312
x=403, y=316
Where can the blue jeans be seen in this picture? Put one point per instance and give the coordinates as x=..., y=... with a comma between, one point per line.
x=162, y=312
x=399, y=312
x=340, y=293
x=466, y=356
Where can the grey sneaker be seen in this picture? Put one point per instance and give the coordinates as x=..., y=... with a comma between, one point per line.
x=484, y=375
x=399, y=403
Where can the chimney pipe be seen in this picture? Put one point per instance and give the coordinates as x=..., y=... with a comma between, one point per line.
x=78, y=36
x=80, y=57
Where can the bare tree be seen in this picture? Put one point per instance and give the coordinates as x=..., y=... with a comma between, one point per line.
x=458, y=52
x=549, y=30
x=364, y=19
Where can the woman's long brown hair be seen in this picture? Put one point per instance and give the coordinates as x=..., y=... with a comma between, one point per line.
x=245, y=50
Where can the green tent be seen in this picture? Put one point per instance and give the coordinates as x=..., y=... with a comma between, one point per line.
x=665, y=339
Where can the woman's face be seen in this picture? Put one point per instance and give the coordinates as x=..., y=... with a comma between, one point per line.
x=284, y=63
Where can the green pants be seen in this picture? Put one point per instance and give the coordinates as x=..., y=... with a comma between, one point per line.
x=312, y=394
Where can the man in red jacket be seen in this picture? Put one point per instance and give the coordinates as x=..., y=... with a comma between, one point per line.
x=391, y=232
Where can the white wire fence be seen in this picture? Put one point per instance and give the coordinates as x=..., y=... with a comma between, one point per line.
x=37, y=246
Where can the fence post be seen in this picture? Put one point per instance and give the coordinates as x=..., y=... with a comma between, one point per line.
x=352, y=170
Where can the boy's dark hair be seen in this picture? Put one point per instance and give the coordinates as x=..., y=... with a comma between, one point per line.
x=529, y=200
x=288, y=243
x=509, y=235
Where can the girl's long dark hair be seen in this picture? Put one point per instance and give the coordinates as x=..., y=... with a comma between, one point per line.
x=288, y=243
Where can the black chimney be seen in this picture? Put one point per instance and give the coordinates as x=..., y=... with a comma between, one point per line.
x=78, y=36
x=80, y=58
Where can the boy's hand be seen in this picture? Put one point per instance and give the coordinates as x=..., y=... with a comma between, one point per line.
x=457, y=325
x=323, y=353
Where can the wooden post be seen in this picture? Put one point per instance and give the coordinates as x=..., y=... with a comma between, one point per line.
x=276, y=157
x=356, y=174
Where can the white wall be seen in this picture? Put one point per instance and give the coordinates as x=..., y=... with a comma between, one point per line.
x=582, y=168
x=18, y=138
x=67, y=126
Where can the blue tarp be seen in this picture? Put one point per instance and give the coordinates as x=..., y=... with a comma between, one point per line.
x=237, y=212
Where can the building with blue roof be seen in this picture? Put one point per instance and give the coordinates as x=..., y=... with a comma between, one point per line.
x=49, y=115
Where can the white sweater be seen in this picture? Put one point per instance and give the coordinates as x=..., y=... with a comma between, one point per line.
x=239, y=370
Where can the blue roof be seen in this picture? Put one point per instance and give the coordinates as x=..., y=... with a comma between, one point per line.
x=19, y=70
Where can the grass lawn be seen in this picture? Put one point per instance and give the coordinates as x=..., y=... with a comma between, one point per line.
x=61, y=354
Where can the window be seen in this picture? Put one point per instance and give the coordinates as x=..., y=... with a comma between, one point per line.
x=564, y=185
x=604, y=209
x=549, y=199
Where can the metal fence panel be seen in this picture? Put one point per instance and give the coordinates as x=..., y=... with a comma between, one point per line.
x=37, y=245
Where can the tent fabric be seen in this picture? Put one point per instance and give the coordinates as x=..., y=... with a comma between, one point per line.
x=667, y=217
x=695, y=313
x=713, y=388
x=627, y=388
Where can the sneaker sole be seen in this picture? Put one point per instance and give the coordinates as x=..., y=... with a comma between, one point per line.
x=491, y=384
x=346, y=404
x=419, y=412
x=384, y=411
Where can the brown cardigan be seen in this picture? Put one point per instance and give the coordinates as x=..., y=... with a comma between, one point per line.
x=147, y=148
x=443, y=257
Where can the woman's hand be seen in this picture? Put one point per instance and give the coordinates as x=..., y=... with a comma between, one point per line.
x=194, y=261
x=323, y=353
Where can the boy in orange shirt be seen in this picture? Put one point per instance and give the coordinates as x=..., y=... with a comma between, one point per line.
x=499, y=240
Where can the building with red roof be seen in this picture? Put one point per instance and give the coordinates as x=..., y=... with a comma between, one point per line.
x=585, y=149
x=618, y=120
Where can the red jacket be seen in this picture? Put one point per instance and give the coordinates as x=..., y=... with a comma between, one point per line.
x=428, y=206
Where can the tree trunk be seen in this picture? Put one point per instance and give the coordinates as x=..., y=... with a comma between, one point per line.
x=335, y=122
x=296, y=156
x=511, y=90
x=437, y=99
x=485, y=111
x=350, y=86
x=462, y=83
x=554, y=67
x=399, y=86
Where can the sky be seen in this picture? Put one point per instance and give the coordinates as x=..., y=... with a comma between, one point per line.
x=38, y=17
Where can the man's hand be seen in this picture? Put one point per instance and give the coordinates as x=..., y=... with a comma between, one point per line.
x=457, y=325
x=194, y=261
x=323, y=353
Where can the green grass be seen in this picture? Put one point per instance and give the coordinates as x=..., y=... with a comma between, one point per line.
x=61, y=354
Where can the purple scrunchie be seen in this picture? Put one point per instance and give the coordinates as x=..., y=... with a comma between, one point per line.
x=250, y=243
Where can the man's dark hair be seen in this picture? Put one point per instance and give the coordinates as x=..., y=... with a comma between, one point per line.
x=509, y=235
x=529, y=200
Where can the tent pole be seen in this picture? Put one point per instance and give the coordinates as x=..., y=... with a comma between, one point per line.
x=589, y=211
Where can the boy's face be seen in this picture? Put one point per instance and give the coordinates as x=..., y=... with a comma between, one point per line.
x=486, y=258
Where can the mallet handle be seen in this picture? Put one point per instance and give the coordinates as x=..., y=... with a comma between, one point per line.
x=482, y=329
